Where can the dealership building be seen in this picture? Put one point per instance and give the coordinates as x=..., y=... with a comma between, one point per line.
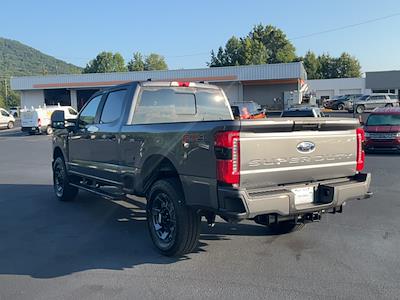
x=264, y=84
x=373, y=82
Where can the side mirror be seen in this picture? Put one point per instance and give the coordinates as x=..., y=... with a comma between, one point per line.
x=58, y=119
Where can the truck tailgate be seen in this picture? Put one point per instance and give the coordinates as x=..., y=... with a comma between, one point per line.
x=284, y=151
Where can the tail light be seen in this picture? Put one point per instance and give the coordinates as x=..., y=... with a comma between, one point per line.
x=360, y=149
x=227, y=152
x=39, y=122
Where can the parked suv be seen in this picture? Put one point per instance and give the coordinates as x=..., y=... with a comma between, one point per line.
x=382, y=130
x=370, y=102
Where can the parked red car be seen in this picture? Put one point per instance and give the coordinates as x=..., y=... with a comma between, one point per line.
x=382, y=130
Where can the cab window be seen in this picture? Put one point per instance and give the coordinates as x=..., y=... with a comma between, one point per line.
x=88, y=114
x=112, y=109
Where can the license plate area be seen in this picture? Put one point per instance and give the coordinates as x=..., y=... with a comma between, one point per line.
x=303, y=195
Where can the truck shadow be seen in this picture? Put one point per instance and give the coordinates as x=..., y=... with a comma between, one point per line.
x=44, y=238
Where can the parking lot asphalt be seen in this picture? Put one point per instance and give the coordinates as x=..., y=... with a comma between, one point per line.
x=99, y=249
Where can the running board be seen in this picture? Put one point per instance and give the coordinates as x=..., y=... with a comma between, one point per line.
x=96, y=191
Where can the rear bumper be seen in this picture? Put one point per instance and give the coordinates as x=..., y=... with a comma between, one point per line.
x=34, y=129
x=329, y=194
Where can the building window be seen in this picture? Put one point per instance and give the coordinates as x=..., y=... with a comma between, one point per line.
x=392, y=91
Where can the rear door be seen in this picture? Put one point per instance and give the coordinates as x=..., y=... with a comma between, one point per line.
x=104, y=146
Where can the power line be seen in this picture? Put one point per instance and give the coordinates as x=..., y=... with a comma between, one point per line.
x=345, y=27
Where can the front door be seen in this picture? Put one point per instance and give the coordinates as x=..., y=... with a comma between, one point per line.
x=80, y=156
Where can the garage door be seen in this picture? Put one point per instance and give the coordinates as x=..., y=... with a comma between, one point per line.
x=350, y=91
x=324, y=94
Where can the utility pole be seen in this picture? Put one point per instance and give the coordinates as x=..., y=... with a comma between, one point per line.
x=5, y=88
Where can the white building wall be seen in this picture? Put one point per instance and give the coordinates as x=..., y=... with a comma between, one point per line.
x=31, y=98
x=338, y=86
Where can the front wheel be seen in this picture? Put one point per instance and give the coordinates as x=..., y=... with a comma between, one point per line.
x=63, y=190
x=174, y=227
x=10, y=125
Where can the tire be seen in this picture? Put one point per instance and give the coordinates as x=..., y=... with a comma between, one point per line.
x=285, y=227
x=360, y=109
x=10, y=125
x=174, y=227
x=389, y=105
x=340, y=106
x=49, y=130
x=63, y=190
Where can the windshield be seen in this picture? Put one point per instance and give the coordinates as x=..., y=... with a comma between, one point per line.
x=382, y=120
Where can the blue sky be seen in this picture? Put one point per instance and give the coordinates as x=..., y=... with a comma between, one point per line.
x=185, y=31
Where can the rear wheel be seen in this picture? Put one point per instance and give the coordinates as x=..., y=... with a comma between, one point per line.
x=10, y=125
x=173, y=226
x=63, y=190
x=360, y=109
x=285, y=227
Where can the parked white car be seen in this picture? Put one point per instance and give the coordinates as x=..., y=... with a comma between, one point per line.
x=6, y=119
x=38, y=120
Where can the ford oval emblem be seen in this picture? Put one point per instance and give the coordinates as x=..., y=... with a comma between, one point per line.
x=305, y=147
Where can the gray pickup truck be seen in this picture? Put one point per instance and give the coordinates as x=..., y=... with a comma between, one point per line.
x=178, y=145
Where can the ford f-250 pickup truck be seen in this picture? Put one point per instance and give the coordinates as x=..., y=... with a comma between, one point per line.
x=178, y=145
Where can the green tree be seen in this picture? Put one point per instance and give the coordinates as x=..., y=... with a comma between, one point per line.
x=279, y=48
x=312, y=65
x=106, y=62
x=348, y=66
x=8, y=98
x=264, y=44
x=155, y=62
x=136, y=63
x=253, y=52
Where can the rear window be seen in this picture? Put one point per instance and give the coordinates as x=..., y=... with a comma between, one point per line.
x=171, y=105
x=382, y=120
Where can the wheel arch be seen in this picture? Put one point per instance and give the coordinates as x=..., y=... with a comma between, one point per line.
x=156, y=167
